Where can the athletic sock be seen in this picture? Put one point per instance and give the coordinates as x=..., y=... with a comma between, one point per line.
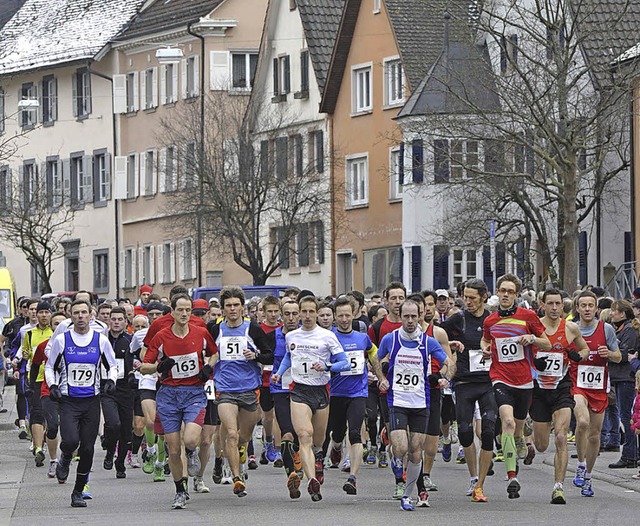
x=413, y=472
x=250, y=451
x=582, y=465
x=162, y=452
x=587, y=475
x=268, y=439
x=136, y=441
x=286, y=450
x=509, y=451
x=81, y=480
x=557, y=485
x=150, y=436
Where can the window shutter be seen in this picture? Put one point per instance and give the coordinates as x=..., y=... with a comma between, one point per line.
x=193, y=259
x=163, y=170
x=141, y=276
x=174, y=87
x=417, y=160
x=283, y=246
x=172, y=263
x=196, y=75
x=219, y=71
x=87, y=179
x=181, y=261
x=41, y=102
x=582, y=258
x=135, y=91
x=120, y=177
x=440, y=267
x=107, y=175
x=401, y=164
x=87, y=93
x=152, y=265
x=282, y=162
x=297, y=144
x=514, y=48
x=503, y=54
x=303, y=245
x=136, y=175
x=416, y=268
x=74, y=94
x=123, y=273
x=287, y=74
x=493, y=156
x=320, y=242
x=160, y=266
x=264, y=158
x=163, y=84
x=143, y=174
x=143, y=91
x=119, y=94
x=154, y=91
x=276, y=84
x=53, y=96
x=154, y=176
x=319, y=137
x=66, y=181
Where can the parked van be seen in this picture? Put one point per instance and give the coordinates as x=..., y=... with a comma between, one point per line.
x=7, y=295
x=250, y=291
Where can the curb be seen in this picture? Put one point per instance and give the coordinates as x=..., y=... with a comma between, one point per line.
x=622, y=482
x=11, y=474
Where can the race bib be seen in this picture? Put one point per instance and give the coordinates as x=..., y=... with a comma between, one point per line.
x=357, y=361
x=590, y=377
x=409, y=380
x=231, y=347
x=210, y=389
x=447, y=391
x=81, y=374
x=477, y=362
x=509, y=350
x=186, y=365
x=286, y=379
x=119, y=368
x=302, y=368
x=554, y=363
x=267, y=367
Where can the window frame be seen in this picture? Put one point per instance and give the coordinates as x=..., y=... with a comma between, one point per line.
x=351, y=161
x=358, y=73
x=49, y=98
x=389, y=81
x=28, y=91
x=101, y=273
x=82, y=102
x=395, y=177
x=247, y=54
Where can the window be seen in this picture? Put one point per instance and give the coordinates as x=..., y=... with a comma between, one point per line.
x=508, y=52
x=393, y=82
x=280, y=245
x=168, y=167
x=132, y=175
x=5, y=189
x=395, y=174
x=101, y=271
x=81, y=87
x=282, y=162
x=101, y=176
x=281, y=78
x=2, y=110
x=149, y=172
x=464, y=159
x=166, y=262
x=81, y=179
x=29, y=183
x=49, y=100
x=465, y=265
x=54, y=181
x=417, y=160
x=129, y=268
x=295, y=155
x=132, y=91
x=168, y=84
x=376, y=6
x=149, y=88
x=36, y=280
x=190, y=77
x=187, y=259
x=214, y=278
x=315, y=150
x=301, y=245
x=357, y=181
x=29, y=115
x=243, y=67
x=148, y=265
x=361, y=94
x=381, y=266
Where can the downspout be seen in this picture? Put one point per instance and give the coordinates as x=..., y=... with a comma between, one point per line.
x=332, y=185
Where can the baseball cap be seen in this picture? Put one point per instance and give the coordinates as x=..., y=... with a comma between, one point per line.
x=200, y=304
x=442, y=292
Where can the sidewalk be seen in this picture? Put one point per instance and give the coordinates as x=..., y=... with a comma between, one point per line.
x=11, y=467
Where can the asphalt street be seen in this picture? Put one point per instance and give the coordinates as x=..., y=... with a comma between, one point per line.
x=28, y=497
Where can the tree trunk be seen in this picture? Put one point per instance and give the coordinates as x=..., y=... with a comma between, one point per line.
x=569, y=239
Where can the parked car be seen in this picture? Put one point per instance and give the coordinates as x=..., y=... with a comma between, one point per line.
x=7, y=295
x=250, y=291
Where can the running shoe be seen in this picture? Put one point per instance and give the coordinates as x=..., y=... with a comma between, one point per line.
x=198, y=485
x=179, y=501
x=429, y=485
x=531, y=453
x=263, y=458
x=313, y=487
x=149, y=464
x=217, y=470
x=365, y=453
x=499, y=456
x=423, y=500
x=86, y=494
x=478, y=495
x=319, y=471
x=579, y=480
x=293, y=485
x=346, y=465
x=587, y=489
x=557, y=497
x=382, y=459
x=77, y=501
x=52, y=469
x=513, y=488
x=39, y=457
x=252, y=464
x=454, y=432
x=133, y=460
x=227, y=478
x=277, y=461
x=460, y=457
x=490, y=471
x=158, y=472
x=446, y=450
x=193, y=463
x=472, y=486
x=62, y=469
x=270, y=451
x=371, y=456
x=23, y=435
x=121, y=474
x=335, y=456
x=108, y=460
x=239, y=487
x=571, y=438
x=399, y=491
x=406, y=505
x=396, y=466
x=167, y=468
x=349, y=486
x=521, y=447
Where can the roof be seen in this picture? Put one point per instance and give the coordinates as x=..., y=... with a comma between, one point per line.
x=45, y=33
x=162, y=15
x=8, y=8
x=320, y=21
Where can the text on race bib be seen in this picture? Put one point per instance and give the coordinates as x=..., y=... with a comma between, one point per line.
x=477, y=361
x=554, y=363
x=81, y=374
x=590, y=377
x=210, y=389
x=232, y=347
x=408, y=380
x=303, y=367
x=509, y=350
x=186, y=365
x=357, y=361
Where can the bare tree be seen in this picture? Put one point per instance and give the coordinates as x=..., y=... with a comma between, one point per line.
x=530, y=84
x=263, y=200
x=31, y=221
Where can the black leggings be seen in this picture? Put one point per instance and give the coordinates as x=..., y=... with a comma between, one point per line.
x=21, y=399
x=343, y=410
x=118, y=422
x=467, y=395
x=51, y=417
x=447, y=410
x=79, y=421
x=36, y=415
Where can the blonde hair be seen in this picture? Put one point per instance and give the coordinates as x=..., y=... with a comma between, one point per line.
x=605, y=315
x=638, y=381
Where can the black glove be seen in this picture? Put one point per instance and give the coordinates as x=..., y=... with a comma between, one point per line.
x=165, y=365
x=54, y=393
x=109, y=387
x=385, y=367
x=574, y=355
x=132, y=381
x=433, y=379
x=205, y=372
x=540, y=363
